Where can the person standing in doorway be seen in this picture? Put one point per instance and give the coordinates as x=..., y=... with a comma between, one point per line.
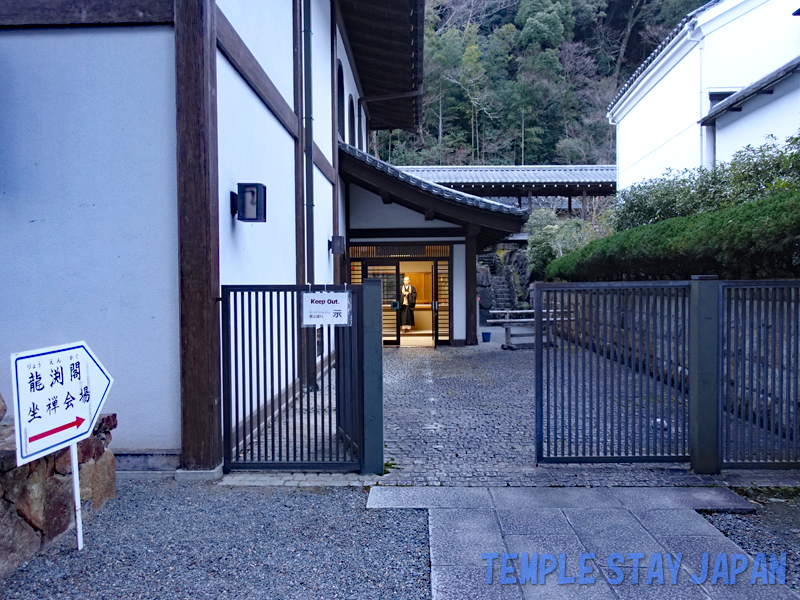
x=407, y=305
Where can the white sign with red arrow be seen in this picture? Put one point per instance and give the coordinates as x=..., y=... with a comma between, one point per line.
x=58, y=394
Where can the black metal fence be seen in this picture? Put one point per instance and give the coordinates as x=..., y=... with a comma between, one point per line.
x=610, y=368
x=707, y=371
x=760, y=372
x=293, y=396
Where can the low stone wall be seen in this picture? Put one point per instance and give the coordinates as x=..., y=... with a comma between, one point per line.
x=36, y=505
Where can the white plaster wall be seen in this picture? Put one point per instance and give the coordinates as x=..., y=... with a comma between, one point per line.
x=253, y=148
x=777, y=114
x=323, y=228
x=367, y=211
x=661, y=130
x=349, y=88
x=322, y=76
x=459, y=300
x=88, y=214
x=762, y=36
x=266, y=29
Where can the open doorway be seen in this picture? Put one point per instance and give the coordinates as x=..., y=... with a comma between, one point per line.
x=419, y=330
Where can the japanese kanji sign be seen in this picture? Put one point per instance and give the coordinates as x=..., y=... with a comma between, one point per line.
x=58, y=394
x=326, y=308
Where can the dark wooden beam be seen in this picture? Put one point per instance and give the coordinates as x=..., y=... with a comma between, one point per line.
x=198, y=233
x=239, y=55
x=471, y=259
x=425, y=232
x=386, y=198
x=323, y=165
x=55, y=13
x=429, y=215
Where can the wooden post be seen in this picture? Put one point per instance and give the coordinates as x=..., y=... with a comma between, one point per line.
x=198, y=232
x=471, y=251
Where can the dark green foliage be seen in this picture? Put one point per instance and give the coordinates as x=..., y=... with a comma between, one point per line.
x=752, y=173
x=526, y=81
x=756, y=240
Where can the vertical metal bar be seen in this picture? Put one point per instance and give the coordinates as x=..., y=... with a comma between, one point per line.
x=279, y=368
x=783, y=450
x=589, y=357
x=570, y=374
x=685, y=375
x=258, y=378
x=663, y=321
x=762, y=342
x=795, y=368
x=286, y=384
x=670, y=372
x=540, y=347
x=333, y=401
x=584, y=375
x=296, y=440
x=604, y=370
x=250, y=368
x=236, y=326
x=738, y=379
x=560, y=414
x=729, y=375
x=551, y=350
x=752, y=409
x=226, y=379
x=615, y=332
x=271, y=428
x=629, y=346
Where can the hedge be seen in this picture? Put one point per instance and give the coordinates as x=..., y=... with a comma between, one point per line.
x=757, y=240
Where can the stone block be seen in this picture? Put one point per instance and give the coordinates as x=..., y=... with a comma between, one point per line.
x=13, y=481
x=90, y=448
x=63, y=462
x=58, y=507
x=18, y=540
x=104, y=480
x=87, y=476
x=2, y=407
x=30, y=503
x=106, y=423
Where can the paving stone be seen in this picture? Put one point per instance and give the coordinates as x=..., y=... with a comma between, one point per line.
x=428, y=497
x=696, y=498
x=462, y=582
x=554, y=497
x=608, y=530
x=675, y=522
x=460, y=536
x=534, y=522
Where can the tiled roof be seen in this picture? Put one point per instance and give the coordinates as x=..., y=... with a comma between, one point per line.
x=657, y=52
x=429, y=186
x=516, y=175
x=742, y=96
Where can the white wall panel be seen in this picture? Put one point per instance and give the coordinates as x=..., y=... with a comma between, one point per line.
x=322, y=76
x=367, y=211
x=88, y=213
x=266, y=29
x=459, y=299
x=253, y=148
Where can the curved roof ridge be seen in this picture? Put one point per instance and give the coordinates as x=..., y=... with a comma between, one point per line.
x=431, y=187
x=657, y=52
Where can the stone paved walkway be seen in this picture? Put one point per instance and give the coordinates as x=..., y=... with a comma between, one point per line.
x=554, y=527
x=465, y=417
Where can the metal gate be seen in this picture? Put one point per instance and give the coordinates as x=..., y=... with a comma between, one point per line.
x=611, y=381
x=292, y=395
x=760, y=373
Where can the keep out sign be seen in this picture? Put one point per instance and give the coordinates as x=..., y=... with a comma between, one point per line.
x=327, y=308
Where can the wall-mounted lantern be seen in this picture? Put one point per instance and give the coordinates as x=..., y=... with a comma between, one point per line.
x=250, y=204
x=336, y=244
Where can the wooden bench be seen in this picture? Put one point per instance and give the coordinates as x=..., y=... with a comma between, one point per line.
x=525, y=320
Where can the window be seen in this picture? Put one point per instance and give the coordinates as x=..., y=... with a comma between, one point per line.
x=351, y=122
x=340, y=100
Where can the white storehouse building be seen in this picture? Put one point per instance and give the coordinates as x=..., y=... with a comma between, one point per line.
x=724, y=78
x=127, y=127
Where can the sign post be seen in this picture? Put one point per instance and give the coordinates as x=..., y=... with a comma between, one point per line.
x=58, y=394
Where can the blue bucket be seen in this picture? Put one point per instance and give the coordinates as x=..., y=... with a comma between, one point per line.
x=487, y=336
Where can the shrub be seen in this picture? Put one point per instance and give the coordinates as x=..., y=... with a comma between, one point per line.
x=752, y=174
x=756, y=240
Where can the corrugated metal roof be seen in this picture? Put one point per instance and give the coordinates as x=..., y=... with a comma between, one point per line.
x=431, y=187
x=742, y=96
x=516, y=175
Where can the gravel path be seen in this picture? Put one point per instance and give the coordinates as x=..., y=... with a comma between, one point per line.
x=162, y=539
x=773, y=528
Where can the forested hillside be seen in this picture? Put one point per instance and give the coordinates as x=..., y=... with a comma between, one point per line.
x=527, y=81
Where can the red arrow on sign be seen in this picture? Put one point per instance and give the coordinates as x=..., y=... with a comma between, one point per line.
x=76, y=423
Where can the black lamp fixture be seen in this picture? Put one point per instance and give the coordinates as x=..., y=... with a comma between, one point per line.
x=336, y=244
x=250, y=204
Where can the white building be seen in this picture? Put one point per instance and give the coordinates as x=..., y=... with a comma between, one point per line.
x=669, y=114
x=125, y=128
